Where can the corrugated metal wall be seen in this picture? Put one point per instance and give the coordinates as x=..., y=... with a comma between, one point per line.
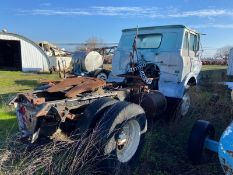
x=33, y=57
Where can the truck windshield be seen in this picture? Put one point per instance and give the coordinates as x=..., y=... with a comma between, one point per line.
x=149, y=41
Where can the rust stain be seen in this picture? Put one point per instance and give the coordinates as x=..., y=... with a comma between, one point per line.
x=49, y=81
x=89, y=85
x=230, y=152
x=77, y=81
x=66, y=83
x=72, y=116
x=226, y=167
x=34, y=101
x=77, y=85
x=38, y=101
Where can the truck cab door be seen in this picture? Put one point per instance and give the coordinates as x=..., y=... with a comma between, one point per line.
x=193, y=53
x=185, y=54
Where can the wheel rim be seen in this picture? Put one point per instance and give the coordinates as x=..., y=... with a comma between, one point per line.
x=102, y=76
x=126, y=142
x=185, y=104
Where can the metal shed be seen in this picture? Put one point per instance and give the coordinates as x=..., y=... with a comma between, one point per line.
x=230, y=63
x=20, y=53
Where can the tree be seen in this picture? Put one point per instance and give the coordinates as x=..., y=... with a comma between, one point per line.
x=223, y=53
x=92, y=43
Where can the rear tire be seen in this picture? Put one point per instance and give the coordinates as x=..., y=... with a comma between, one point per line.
x=196, y=143
x=93, y=113
x=102, y=75
x=121, y=130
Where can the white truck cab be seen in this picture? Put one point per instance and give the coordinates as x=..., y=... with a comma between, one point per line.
x=171, y=52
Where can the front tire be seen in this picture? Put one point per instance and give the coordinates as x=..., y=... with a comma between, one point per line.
x=179, y=108
x=196, y=144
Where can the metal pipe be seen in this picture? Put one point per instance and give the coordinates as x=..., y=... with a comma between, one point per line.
x=211, y=145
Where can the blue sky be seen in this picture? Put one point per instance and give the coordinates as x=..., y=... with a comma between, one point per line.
x=72, y=21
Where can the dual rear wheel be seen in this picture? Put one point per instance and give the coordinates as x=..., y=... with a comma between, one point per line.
x=120, y=127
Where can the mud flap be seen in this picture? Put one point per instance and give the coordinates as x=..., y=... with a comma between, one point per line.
x=35, y=135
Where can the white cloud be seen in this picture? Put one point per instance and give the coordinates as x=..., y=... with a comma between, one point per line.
x=151, y=12
x=56, y=12
x=220, y=26
x=204, y=13
x=127, y=11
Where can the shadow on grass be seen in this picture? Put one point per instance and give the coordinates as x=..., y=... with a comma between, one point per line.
x=31, y=83
x=213, y=75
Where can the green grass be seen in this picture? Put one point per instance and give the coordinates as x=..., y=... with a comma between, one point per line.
x=12, y=82
x=213, y=67
x=8, y=125
x=165, y=148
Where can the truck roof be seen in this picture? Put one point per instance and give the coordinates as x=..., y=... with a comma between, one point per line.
x=159, y=27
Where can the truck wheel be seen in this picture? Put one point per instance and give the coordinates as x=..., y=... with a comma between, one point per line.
x=179, y=107
x=93, y=113
x=196, y=150
x=120, y=130
x=102, y=76
x=232, y=95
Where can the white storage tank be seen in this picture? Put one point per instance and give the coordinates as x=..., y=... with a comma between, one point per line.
x=230, y=63
x=20, y=53
x=92, y=61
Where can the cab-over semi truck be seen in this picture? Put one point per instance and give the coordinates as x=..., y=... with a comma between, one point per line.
x=150, y=65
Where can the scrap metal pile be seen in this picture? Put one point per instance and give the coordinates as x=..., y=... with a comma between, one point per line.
x=78, y=85
x=52, y=50
x=59, y=59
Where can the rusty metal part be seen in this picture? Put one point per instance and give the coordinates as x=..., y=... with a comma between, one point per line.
x=49, y=81
x=65, y=83
x=230, y=152
x=62, y=105
x=33, y=100
x=88, y=85
x=227, y=168
x=72, y=116
x=68, y=83
x=82, y=84
x=38, y=101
